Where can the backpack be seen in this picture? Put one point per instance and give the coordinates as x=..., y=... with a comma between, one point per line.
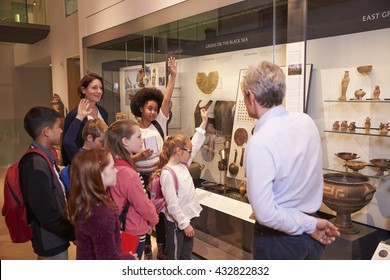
x=156, y=195
x=14, y=208
x=65, y=179
x=159, y=128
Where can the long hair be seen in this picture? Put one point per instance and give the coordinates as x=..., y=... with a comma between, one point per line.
x=168, y=149
x=86, y=183
x=114, y=135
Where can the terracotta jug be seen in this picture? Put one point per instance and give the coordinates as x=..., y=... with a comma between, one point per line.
x=359, y=94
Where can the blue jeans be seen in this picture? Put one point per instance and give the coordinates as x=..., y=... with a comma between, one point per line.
x=268, y=246
x=179, y=246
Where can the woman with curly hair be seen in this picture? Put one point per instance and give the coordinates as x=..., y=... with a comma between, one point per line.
x=152, y=107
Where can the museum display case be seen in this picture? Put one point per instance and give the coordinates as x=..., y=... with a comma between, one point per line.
x=214, y=48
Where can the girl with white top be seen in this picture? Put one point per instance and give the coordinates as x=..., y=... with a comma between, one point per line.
x=182, y=206
x=152, y=107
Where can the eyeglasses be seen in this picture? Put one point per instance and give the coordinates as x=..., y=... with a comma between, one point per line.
x=188, y=150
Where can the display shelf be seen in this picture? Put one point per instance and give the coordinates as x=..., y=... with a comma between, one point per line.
x=359, y=131
x=386, y=100
x=371, y=174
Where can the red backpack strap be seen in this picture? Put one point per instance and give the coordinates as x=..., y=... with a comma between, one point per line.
x=42, y=154
x=174, y=177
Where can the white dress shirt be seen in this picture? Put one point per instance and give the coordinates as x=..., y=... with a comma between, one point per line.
x=283, y=164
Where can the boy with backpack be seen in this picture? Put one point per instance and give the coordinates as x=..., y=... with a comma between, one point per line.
x=43, y=192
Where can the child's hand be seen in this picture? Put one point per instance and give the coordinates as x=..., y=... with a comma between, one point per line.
x=204, y=115
x=145, y=154
x=135, y=255
x=189, y=231
x=172, y=65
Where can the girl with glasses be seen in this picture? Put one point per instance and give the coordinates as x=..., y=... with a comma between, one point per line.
x=182, y=206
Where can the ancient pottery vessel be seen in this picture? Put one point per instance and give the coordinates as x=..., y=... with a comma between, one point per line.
x=336, y=125
x=352, y=126
x=359, y=94
x=344, y=125
x=383, y=164
x=346, y=194
x=365, y=70
x=355, y=165
x=242, y=188
x=347, y=156
x=195, y=169
x=383, y=128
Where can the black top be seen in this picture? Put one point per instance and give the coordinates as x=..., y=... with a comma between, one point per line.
x=66, y=158
x=46, y=205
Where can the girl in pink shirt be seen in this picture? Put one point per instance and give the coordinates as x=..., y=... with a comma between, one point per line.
x=123, y=138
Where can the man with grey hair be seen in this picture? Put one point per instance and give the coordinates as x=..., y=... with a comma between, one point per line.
x=283, y=164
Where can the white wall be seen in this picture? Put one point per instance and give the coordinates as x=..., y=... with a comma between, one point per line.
x=64, y=39
x=104, y=14
x=61, y=43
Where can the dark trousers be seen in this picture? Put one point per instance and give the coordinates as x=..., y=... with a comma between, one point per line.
x=140, y=248
x=160, y=231
x=160, y=227
x=269, y=244
x=179, y=246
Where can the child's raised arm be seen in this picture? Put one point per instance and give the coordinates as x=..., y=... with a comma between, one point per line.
x=204, y=115
x=166, y=104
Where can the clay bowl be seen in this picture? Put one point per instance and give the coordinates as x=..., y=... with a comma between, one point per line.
x=365, y=70
x=347, y=156
x=355, y=165
x=380, y=162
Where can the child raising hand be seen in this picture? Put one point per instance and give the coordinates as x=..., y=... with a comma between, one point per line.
x=182, y=206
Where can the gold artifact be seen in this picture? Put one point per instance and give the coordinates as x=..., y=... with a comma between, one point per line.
x=207, y=84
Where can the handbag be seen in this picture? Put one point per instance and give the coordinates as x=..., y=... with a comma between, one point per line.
x=129, y=241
